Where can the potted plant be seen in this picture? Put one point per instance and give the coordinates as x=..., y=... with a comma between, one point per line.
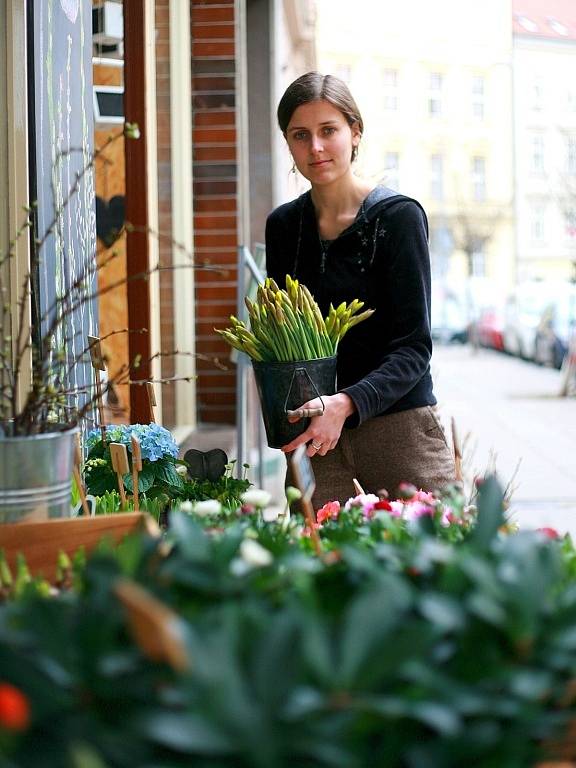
x=43, y=401
x=293, y=350
x=414, y=647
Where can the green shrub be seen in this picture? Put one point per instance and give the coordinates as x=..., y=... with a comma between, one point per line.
x=397, y=650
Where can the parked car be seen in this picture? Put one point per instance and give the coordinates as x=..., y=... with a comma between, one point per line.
x=522, y=314
x=449, y=320
x=557, y=321
x=488, y=329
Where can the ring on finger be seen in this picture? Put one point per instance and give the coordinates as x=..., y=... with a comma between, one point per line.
x=316, y=446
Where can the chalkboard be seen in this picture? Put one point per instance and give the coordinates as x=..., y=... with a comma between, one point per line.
x=62, y=144
x=303, y=472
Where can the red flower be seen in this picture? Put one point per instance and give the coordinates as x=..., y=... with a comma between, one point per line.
x=383, y=504
x=14, y=708
x=329, y=511
x=552, y=533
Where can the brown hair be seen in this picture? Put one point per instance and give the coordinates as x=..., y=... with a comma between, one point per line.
x=316, y=87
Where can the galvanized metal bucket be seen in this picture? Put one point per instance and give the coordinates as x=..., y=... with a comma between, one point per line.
x=35, y=476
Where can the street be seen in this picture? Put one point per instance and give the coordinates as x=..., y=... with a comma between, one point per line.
x=508, y=415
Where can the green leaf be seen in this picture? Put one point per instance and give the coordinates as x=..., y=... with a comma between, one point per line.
x=99, y=480
x=146, y=480
x=438, y=716
x=490, y=512
x=370, y=619
x=486, y=608
x=443, y=611
x=165, y=472
x=189, y=733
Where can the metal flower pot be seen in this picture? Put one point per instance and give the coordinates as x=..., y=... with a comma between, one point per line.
x=283, y=386
x=35, y=476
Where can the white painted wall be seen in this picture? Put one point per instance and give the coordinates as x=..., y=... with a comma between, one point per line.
x=545, y=107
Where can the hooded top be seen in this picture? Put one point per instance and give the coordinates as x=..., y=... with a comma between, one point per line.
x=382, y=259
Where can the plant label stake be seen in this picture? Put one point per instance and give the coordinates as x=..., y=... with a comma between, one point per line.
x=306, y=484
x=156, y=629
x=98, y=365
x=357, y=487
x=151, y=400
x=119, y=456
x=457, y=451
x=136, y=469
x=78, y=476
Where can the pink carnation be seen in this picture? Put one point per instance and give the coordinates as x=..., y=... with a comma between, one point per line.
x=425, y=496
x=415, y=509
x=396, y=508
x=365, y=500
x=448, y=517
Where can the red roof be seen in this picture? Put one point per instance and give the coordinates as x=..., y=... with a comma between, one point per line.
x=553, y=19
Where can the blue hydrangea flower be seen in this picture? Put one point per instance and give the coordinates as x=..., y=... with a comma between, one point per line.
x=155, y=441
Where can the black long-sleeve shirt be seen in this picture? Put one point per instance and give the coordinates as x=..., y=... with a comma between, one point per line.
x=382, y=259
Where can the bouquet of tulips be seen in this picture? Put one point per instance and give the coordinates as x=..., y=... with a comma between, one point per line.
x=287, y=325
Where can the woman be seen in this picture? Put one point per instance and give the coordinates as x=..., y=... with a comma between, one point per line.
x=344, y=239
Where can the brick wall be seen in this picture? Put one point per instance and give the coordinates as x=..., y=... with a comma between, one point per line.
x=162, y=22
x=215, y=200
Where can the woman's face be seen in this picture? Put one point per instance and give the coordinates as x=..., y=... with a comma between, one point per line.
x=321, y=141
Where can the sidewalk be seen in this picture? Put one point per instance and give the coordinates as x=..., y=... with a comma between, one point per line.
x=509, y=415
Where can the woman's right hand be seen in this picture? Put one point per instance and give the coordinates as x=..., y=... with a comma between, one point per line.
x=323, y=431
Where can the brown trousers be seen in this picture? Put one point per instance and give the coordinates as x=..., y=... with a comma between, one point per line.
x=409, y=446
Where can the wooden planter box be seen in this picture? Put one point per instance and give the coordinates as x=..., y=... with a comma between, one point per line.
x=41, y=542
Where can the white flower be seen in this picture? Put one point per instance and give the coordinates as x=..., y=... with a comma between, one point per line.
x=208, y=507
x=182, y=470
x=256, y=497
x=254, y=554
x=186, y=506
x=270, y=514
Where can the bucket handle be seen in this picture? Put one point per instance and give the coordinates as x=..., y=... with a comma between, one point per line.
x=302, y=413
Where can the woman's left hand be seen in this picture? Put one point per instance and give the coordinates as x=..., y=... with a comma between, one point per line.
x=324, y=431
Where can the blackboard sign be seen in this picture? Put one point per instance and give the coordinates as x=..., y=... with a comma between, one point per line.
x=62, y=143
x=303, y=472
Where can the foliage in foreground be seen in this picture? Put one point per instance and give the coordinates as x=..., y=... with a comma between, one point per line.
x=401, y=648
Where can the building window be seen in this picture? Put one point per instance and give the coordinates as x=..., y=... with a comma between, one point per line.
x=441, y=248
x=435, y=95
x=479, y=178
x=390, y=78
x=392, y=169
x=537, y=159
x=436, y=177
x=537, y=94
x=571, y=154
x=478, y=97
x=537, y=223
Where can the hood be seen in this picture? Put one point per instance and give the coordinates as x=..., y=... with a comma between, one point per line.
x=377, y=201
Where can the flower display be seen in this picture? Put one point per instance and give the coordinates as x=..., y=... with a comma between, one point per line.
x=159, y=453
x=288, y=325
x=255, y=497
x=156, y=442
x=206, y=508
x=329, y=511
x=254, y=554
